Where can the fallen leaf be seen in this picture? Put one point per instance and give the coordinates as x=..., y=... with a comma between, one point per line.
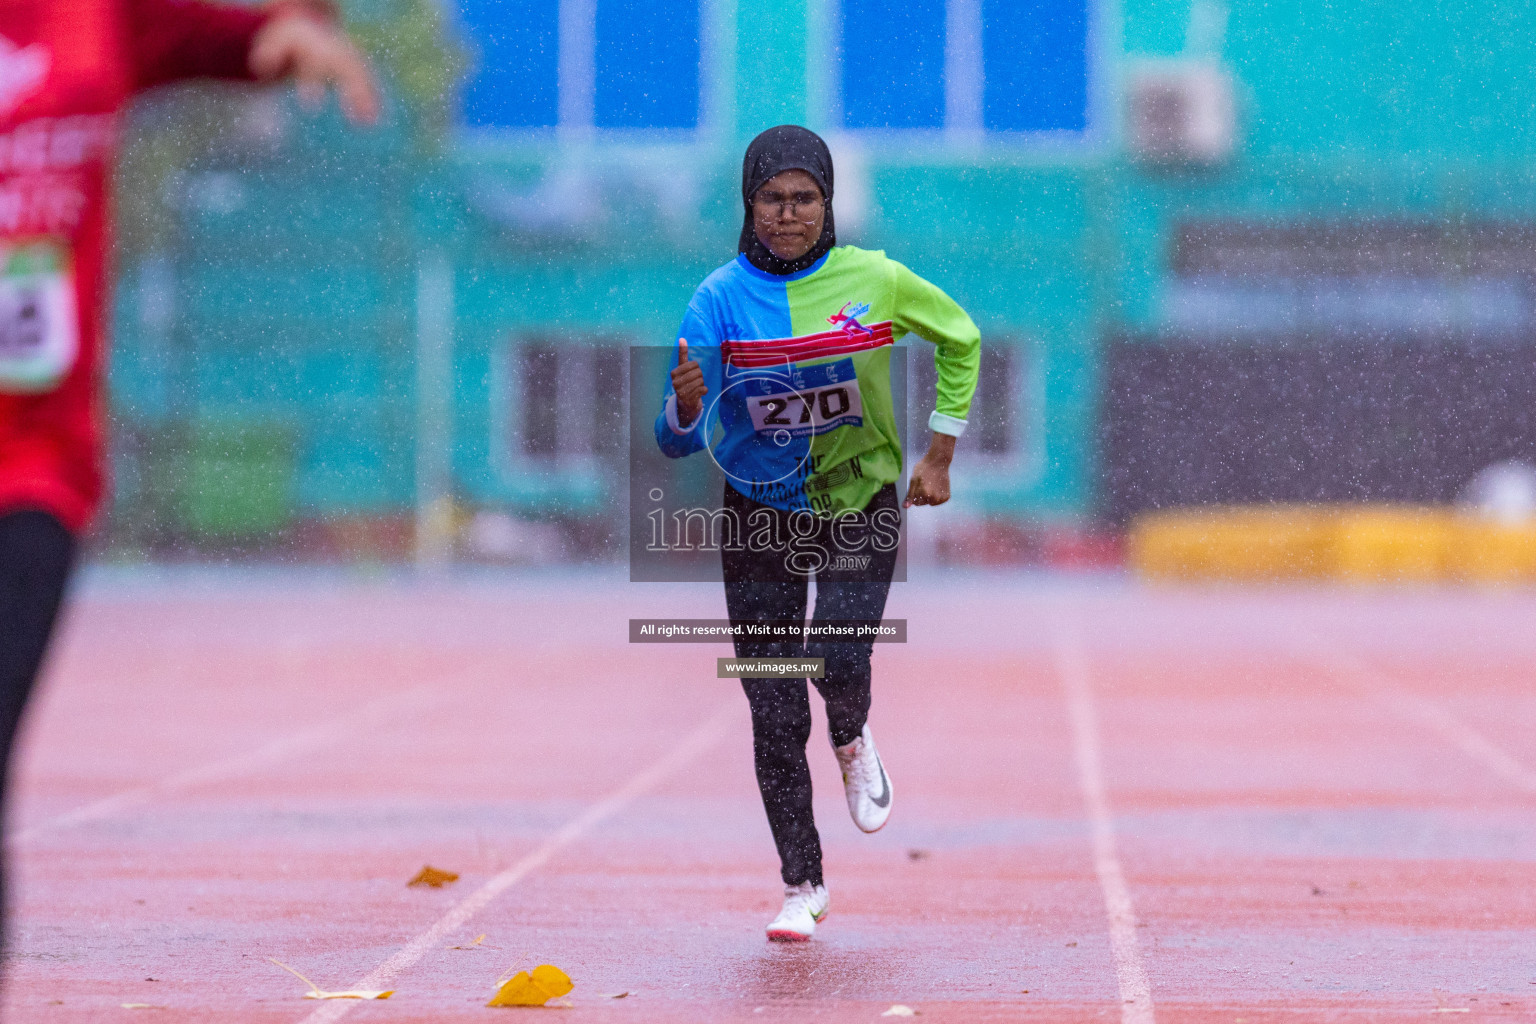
x=315, y=992
x=613, y=995
x=474, y=945
x=523, y=989
x=900, y=1011
x=431, y=876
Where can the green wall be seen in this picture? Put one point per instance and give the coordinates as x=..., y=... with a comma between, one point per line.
x=297, y=307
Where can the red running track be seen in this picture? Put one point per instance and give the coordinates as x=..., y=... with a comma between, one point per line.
x=1112, y=802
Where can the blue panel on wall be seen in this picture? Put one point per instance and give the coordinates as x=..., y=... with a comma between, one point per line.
x=517, y=67
x=1035, y=56
x=893, y=63
x=647, y=64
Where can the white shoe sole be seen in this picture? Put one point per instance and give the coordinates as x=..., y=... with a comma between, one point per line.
x=789, y=935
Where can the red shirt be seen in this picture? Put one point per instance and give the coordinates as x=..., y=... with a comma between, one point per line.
x=66, y=68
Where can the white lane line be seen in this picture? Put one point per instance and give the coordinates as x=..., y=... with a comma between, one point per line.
x=694, y=744
x=279, y=749
x=1355, y=671
x=1072, y=667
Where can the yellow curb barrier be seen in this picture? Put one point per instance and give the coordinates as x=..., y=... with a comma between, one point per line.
x=1493, y=553
x=1359, y=544
x=1392, y=545
x=1235, y=543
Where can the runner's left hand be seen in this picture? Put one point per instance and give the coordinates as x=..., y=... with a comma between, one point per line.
x=317, y=55
x=929, y=484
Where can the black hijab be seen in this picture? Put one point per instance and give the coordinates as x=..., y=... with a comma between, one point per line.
x=785, y=148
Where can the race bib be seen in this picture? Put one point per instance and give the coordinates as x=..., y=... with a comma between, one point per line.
x=812, y=400
x=39, y=326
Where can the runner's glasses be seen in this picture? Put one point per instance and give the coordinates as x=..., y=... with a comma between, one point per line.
x=800, y=204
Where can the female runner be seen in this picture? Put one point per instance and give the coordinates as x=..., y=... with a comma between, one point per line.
x=783, y=375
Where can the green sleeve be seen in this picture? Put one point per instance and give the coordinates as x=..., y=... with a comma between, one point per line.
x=924, y=310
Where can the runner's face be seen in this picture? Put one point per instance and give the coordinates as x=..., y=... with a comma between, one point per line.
x=787, y=214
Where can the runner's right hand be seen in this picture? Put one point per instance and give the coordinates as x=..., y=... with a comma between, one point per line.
x=688, y=382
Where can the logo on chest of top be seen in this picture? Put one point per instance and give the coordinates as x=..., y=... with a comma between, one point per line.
x=22, y=71
x=847, y=318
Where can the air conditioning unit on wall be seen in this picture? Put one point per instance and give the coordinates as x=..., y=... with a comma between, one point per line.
x=1180, y=113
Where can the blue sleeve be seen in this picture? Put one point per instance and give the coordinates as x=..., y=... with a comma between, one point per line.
x=703, y=345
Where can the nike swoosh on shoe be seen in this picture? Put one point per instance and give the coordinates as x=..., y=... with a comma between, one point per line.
x=884, y=798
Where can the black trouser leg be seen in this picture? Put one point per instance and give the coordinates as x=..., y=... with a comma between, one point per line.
x=36, y=553
x=759, y=587
x=781, y=714
x=781, y=725
x=845, y=593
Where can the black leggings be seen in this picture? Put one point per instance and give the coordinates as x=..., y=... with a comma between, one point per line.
x=760, y=587
x=36, y=553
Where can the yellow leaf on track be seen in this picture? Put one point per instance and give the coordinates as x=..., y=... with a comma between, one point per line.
x=431, y=876
x=545, y=983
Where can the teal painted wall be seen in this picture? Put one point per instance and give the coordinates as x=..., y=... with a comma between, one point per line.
x=297, y=306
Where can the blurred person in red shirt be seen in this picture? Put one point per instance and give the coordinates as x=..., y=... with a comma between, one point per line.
x=67, y=69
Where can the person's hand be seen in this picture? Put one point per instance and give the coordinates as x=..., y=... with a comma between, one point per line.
x=317, y=56
x=688, y=382
x=929, y=484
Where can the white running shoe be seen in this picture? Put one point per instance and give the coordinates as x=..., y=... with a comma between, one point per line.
x=804, y=905
x=865, y=782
